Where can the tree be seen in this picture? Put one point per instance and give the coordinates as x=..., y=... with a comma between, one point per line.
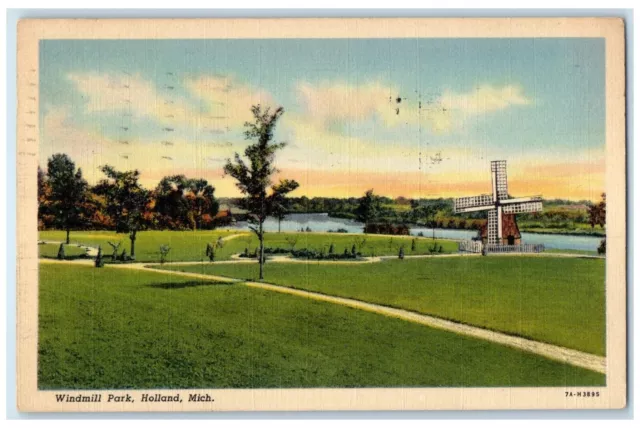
x=427, y=213
x=183, y=202
x=368, y=207
x=126, y=201
x=201, y=200
x=67, y=193
x=281, y=206
x=254, y=178
x=598, y=212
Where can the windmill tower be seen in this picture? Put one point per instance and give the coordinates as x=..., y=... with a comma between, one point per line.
x=500, y=209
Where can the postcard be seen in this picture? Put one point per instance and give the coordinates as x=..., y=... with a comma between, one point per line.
x=321, y=214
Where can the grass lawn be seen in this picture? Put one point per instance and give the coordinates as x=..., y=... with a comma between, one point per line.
x=109, y=328
x=555, y=300
x=583, y=252
x=191, y=245
x=51, y=251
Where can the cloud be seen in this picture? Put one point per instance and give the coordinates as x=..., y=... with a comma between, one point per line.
x=484, y=99
x=342, y=101
x=221, y=103
x=330, y=102
x=227, y=100
x=90, y=150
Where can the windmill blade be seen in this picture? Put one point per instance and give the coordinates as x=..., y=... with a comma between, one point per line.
x=492, y=227
x=472, y=203
x=522, y=207
x=499, y=178
x=520, y=200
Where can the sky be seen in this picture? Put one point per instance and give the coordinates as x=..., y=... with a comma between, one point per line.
x=419, y=118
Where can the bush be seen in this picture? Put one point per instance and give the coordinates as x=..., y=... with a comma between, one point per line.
x=61, y=255
x=353, y=250
x=124, y=257
x=331, y=249
x=99, y=260
x=401, y=253
x=413, y=245
x=602, y=248
x=164, y=250
x=210, y=253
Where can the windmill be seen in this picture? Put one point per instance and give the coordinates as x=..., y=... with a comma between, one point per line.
x=499, y=207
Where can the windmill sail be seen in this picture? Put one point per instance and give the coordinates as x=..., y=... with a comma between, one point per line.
x=523, y=207
x=492, y=227
x=499, y=174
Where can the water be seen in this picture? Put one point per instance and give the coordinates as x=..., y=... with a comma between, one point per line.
x=324, y=223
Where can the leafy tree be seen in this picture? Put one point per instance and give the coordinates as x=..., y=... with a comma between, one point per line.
x=280, y=209
x=44, y=193
x=68, y=193
x=369, y=207
x=201, y=200
x=598, y=212
x=126, y=201
x=254, y=178
x=183, y=202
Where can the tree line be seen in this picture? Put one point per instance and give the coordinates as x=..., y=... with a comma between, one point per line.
x=119, y=202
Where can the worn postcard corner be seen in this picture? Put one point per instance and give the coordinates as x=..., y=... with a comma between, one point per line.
x=321, y=214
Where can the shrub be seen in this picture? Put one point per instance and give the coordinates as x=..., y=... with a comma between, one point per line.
x=164, y=250
x=413, y=245
x=124, y=256
x=401, y=253
x=331, y=248
x=99, y=260
x=61, y=255
x=115, y=247
x=210, y=253
x=420, y=234
x=346, y=252
x=353, y=250
x=602, y=248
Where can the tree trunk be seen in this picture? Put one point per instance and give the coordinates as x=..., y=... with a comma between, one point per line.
x=68, y=236
x=261, y=237
x=132, y=237
x=279, y=221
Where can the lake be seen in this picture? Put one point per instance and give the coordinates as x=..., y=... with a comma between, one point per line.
x=324, y=223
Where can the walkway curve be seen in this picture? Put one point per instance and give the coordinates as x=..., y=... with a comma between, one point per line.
x=554, y=352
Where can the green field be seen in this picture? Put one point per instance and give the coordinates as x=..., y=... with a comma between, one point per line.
x=191, y=245
x=554, y=300
x=51, y=251
x=110, y=328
